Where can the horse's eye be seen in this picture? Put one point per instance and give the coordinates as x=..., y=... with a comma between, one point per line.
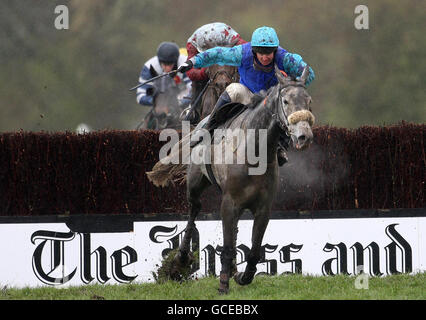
x=285, y=102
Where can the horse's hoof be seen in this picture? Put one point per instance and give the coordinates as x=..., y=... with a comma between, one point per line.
x=183, y=259
x=177, y=260
x=223, y=291
x=243, y=280
x=238, y=278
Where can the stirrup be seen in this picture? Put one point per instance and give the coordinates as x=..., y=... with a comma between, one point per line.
x=281, y=157
x=184, y=114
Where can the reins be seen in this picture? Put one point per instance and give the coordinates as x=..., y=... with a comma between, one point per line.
x=280, y=108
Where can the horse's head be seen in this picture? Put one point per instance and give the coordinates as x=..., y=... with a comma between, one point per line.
x=166, y=102
x=294, y=109
x=222, y=76
x=166, y=95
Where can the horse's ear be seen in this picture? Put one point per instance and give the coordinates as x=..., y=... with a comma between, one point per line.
x=305, y=74
x=283, y=80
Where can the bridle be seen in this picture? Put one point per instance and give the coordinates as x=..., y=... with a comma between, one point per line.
x=232, y=78
x=280, y=114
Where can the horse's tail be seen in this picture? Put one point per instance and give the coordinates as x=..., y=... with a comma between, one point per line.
x=167, y=170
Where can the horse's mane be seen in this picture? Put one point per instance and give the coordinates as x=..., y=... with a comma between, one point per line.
x=258, y=97
x=255, y=100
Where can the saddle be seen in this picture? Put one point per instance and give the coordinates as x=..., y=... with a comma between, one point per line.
x=228, y=112
x=225, y=113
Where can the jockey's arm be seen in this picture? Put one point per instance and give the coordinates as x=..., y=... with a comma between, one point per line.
x=293, y=65
x=144, y=94
x=195, y=74
x=143, y=98
x=219, y=55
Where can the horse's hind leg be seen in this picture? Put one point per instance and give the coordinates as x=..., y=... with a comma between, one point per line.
x=196, y=184
x=259, y=227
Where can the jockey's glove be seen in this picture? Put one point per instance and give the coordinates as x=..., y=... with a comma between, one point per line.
x=186, y=66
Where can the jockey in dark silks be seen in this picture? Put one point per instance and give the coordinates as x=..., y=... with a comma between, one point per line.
x=256, y=62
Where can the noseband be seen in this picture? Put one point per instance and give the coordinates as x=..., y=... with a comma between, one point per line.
x=285, y=120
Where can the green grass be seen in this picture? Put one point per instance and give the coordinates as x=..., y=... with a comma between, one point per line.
x=287, y=287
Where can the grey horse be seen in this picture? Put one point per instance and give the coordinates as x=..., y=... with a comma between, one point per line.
x=167, y=106
x=284, y=109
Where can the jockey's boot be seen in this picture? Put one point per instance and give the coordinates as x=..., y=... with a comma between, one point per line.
x=211, y=125
x=281, y=156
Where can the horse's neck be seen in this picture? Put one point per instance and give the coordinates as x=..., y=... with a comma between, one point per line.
x=208, y=101
x=262, y=117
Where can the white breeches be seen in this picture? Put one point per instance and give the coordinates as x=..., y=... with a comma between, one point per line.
x=239, y=93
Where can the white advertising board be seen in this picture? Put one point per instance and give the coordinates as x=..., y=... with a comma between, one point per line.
x=50, y=254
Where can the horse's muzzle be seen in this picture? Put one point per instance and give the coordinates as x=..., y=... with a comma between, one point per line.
x=301, y=135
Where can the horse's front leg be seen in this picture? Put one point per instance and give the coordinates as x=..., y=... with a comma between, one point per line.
x=259, y=227
x=230, y=215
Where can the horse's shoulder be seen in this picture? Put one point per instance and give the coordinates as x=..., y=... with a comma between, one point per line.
x=255, y=100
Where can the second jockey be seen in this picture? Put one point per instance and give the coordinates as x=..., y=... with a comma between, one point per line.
x=168, y=58
x=216, y=34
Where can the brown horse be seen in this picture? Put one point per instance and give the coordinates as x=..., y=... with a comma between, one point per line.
x=220, y=77
x=283, y=110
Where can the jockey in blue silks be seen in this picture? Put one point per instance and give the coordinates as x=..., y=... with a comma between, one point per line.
x=256, y=62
